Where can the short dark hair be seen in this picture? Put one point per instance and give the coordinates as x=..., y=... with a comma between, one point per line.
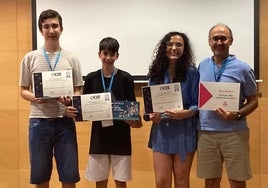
x=49, y=14
x=110, y=44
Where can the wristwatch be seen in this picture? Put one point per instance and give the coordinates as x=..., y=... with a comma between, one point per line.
x=238, y=116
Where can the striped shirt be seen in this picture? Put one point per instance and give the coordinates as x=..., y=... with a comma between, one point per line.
x=35, y=61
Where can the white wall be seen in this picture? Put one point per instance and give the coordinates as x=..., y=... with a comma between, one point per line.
x=140, y=24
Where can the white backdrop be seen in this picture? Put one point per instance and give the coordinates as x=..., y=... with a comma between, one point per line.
x=140, y=24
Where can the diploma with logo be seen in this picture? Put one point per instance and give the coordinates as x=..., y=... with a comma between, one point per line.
x=126, y=110
x=219, y=94
x=93, y=107
x=52, y=84
x=159, y=98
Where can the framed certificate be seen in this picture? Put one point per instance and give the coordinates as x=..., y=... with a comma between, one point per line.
x=219, y=94
x=126, y=110
x=93, y=107
x=52, y=84
x=160, y=98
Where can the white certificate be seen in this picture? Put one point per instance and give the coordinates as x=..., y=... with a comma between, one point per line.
x=160, y=98
x=219, y=94
x=53, y=84
x=93, y=107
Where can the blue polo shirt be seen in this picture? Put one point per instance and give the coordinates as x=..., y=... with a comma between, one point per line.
x=235, y=71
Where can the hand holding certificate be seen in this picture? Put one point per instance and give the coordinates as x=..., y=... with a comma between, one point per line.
x=52, y=84
x=219, y=94
x=93, y=107
x=99, y=107
x=163, y=97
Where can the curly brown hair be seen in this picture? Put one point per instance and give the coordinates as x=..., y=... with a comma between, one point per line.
x=160, y=60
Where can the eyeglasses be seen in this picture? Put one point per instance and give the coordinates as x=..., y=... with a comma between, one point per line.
x=176, y=44
x=221, y=38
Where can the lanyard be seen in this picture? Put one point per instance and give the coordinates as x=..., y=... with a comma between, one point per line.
x=217, y=75
x=48, y=62
x=103, y=82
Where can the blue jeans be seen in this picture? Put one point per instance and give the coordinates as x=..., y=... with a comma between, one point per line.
x=50, y=137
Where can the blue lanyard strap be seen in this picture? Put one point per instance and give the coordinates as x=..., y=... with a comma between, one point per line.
x=217, y=75
x=48, y=62
x=111, y=82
